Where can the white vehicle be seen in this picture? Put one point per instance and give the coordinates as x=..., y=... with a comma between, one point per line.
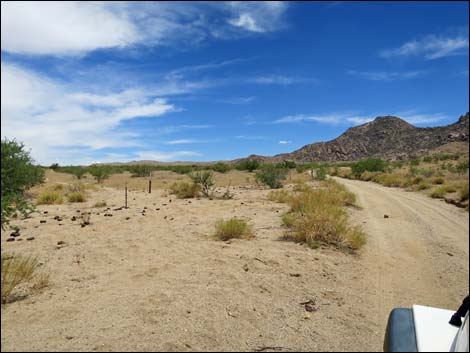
x=427, y=329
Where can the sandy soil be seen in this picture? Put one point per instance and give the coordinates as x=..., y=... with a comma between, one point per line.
x=159, y=281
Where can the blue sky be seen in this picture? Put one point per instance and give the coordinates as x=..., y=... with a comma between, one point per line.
x=84, y=82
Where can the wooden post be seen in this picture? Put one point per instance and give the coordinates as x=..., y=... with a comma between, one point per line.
x=126, y=194
x=150, y=186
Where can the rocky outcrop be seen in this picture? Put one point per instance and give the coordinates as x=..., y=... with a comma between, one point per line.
x=386, y=137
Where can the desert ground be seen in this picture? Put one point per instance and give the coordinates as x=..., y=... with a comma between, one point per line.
x=153, y=278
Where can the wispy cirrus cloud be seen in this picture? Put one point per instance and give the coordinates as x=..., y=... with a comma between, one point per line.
x=165, y=156
x=280, y=80
x=285, y=142
x=385, y=75
x=188, y=141
x=431, y=47
x=102, y=25
x=411, y=116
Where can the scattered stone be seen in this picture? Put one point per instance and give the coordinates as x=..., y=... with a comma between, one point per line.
x=30, y=238
x=69, y=337
x=45, y=212
x=165, y=217
x=157, y=209
x=171, y=218
x=386, y=216
x=118, y=209
x=309, y=306
x=294, y=274
x=245, y=267
x=15, y=234
x=42, y=221
x=61, y=242
x=19, y=239
x=74, y=218
x=145, y=207
x=164, y=204
x=450, y=254
x=189, y=201
x=128, y=218
x=78, y=211
x=10, y=239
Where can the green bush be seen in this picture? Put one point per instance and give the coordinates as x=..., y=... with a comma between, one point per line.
x=271, y=175
x=319, y=173
x=369, y=165
x=248, y=165
x=233, y=228
x=205, y=179
x=100, y=172
x=442, y=190
x=141, y=170
x=18, y=173
x=221, y=167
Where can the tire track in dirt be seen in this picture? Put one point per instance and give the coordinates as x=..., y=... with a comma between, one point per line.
x=419, y=255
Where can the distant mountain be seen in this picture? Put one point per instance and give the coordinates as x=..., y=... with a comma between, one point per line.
x=387, y=137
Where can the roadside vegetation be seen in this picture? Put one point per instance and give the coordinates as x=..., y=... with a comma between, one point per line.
x=439, y=175
x=318, y=216
x=16, y=270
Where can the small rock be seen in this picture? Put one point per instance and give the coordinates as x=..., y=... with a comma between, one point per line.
x=61, y=242
x=386, y=216
x=74, y=218
x=45, y=212
x=128, y=218
x=69, y=337
x=30, y=238
x=15, y=234
x=78, y=211
x=145, y=207
x=245, y=267
x=165, y=217
x=11, y=239
x=157, y=209
x=294, y=274
x=450, y=254
x=19, y=239
x=42, y=221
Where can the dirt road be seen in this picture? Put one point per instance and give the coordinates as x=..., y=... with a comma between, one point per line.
x=152, y=278
x=418, y=255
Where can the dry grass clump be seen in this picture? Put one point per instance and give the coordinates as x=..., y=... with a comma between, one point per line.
x=184, y=190
x=281, y=196
x=368, y=176
x=438, y=180
x=464, y=193
x=393, y=180
x=41, y=281
x=76, y=197
x=99, y=204
x=421, y=186
x=233, y=228
x=441, y=191
x=318, y=216
x=16, y=269
x=50, y=198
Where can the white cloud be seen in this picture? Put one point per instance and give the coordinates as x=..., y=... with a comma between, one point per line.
x=411, y=116
x=386, y=76
x=47, y=115
x=165, y=156
x=279, y=80
x=187, y=141
x=63, y=27
x=76, y=27
x=257, y=16
x=431, y=47
x=284, y=142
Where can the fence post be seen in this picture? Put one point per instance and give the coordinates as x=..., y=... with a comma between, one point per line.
x=126, y=194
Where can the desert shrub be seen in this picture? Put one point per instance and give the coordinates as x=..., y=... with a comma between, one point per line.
x=415, y=162
x=247, y=164
x=233, y=228
x=438, y=180
x=100, y=172
x=344, y=172
x=184, y=190
x=317, y=216
x=428, y=159
x=100, y=204
x=271, y=175
x=18, y=174
x=393, y=180
x=75, y=187
x=369, y=165
x=141, y=170
x=227, y=195
x=463, y=194
x=281, y=196
x=300, y=185
x=221, y=167
x=442, y=190
x=368, y=176
x=16, y=269
x=417, y=180
x=288, y=165
x=462, y=167
x=76, y=197
x=205, y=179
x=288, y=219
x=50, y=198
x=421, y=186
x=319, y=173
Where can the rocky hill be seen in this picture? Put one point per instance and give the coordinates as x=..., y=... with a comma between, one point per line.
x=386, y=137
